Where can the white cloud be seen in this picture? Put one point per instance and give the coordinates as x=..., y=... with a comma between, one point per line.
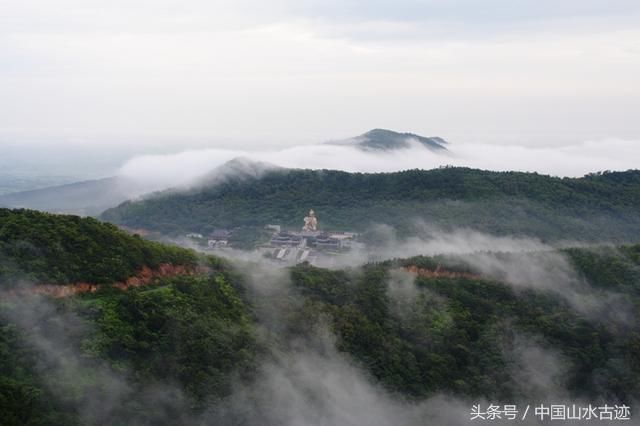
x=165, y=171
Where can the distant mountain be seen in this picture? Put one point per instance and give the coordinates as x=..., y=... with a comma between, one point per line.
x=594, y=208
x=86, y=198
x=386, y=140
x=92, y=197
x=10, y=182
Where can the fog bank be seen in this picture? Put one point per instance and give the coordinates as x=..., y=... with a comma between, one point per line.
x=163, y=171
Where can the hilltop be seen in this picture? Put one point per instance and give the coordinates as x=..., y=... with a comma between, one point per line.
x=387, y=140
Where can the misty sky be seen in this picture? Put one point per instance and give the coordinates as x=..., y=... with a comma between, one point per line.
x=169, y=72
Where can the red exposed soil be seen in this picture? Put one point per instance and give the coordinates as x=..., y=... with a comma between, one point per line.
x=440, y=273
x=144, y=277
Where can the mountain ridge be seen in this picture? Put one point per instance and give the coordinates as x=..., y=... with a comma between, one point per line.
x=594, y=207
x=86, y=198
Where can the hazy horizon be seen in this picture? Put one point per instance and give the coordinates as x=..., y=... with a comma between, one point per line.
x=89, y=87
x=165, y=167
x=165, y=76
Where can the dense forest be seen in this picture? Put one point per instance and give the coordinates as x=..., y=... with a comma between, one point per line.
x=178, y=350
x=452, y=333
x=599, y=207
x=123, y=357
x=47, y=248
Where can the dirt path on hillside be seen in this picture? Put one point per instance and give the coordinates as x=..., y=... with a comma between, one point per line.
x=144, y=277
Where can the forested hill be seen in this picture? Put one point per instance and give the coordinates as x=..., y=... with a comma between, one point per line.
x=595, y=207
x=177, y=352
x=181, y=350
x=47, y=248
x=111, y=356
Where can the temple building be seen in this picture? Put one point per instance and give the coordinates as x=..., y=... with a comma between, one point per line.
x=308, y=244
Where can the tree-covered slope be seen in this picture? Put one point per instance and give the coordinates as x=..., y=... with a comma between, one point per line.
x=59, y=249
x=196, y=349
x=595, y=207
x=466, y=335
x=151, y=355
x=111, y=356
x=183, y=350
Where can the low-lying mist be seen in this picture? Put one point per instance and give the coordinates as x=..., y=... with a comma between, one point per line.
x=302, y=378
x=307, y=381
x=302, y=381
x=520, y=262
x=184, y=168
x=90, y=388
